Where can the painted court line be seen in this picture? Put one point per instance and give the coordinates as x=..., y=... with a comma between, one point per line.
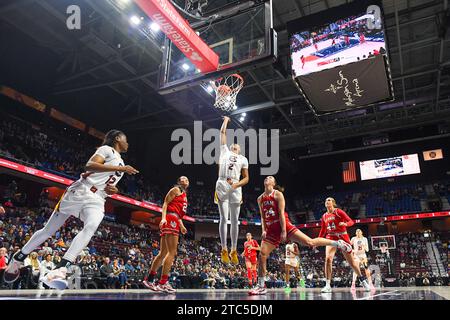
x=377, y=295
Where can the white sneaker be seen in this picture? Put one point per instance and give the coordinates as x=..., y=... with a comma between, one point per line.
x=326, y=289
x=151, y=285
x=344, y=246
x=258, y=291
x=366, y=285
x=56, y=279
x=167, y=288
x=12, y=271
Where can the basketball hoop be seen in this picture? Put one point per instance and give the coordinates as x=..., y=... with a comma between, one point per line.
x=227, y=89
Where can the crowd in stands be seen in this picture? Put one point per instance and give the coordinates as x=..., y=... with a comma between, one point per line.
x=23, y=142
x=119, y=256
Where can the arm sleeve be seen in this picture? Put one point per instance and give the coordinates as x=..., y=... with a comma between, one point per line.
x=223, y=149
x=104, y=152
x=323, y=228
x=244, y=163
x=345, y=218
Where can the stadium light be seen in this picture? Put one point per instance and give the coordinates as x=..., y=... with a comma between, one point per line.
x=241, y=119
x=135, y=20
x=155, y=27
x=244, y=114
x=185, y=66
x=210, y=89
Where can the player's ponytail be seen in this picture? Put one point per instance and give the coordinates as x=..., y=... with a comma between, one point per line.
x=110, y=137
x=277, y=186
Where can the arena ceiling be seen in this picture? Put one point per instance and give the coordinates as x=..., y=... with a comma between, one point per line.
x=109, y=56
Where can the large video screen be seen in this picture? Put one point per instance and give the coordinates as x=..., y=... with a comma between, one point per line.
x=390, y=167
x=350, y=39
x=339, y=57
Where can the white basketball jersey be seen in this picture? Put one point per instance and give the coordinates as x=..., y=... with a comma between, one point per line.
x=359, y=245
x=231, y=164
x=290, y=251
x=100, y=179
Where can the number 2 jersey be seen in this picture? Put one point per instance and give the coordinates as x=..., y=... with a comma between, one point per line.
x=97, y=181
x=330, y=227
x=178, y=205
x=176, y=210
x=231, y=164
x=230, y=167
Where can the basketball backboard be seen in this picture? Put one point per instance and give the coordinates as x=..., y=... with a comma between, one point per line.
x=241, y=40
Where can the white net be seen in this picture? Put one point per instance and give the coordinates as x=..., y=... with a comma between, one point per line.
x=227, y=89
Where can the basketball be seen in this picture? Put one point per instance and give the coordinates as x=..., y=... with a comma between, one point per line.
x=223, y=90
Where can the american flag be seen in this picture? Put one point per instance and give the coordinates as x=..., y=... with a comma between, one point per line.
x=349, y=171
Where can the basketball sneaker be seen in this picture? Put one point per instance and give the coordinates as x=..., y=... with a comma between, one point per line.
x=302, y=283
x=151, y=285
x=234, y=257
x=224, y=256
x=167, y=288
x=366, y=285
x=12, y=271
x=258, y=291
x=56, y=279
x=326, y=289
x=344, y=246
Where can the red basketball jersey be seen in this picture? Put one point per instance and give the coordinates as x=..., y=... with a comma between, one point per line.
x=178, y=205
x=250, y=252
x=270, y=209
x=330, y=222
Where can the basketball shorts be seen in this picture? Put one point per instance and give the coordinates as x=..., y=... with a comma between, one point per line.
x=251, y=259
x=273, y=233
x=224, y=193
x=172, y=226
x=292, y=262
x=77, y=197
x=344, y=237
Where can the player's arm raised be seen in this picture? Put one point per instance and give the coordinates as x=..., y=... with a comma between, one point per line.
x=97, y=164
x=366, y=245
x=281, y=206
x=263, y=218
x=168, y=199
x=223, y=130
